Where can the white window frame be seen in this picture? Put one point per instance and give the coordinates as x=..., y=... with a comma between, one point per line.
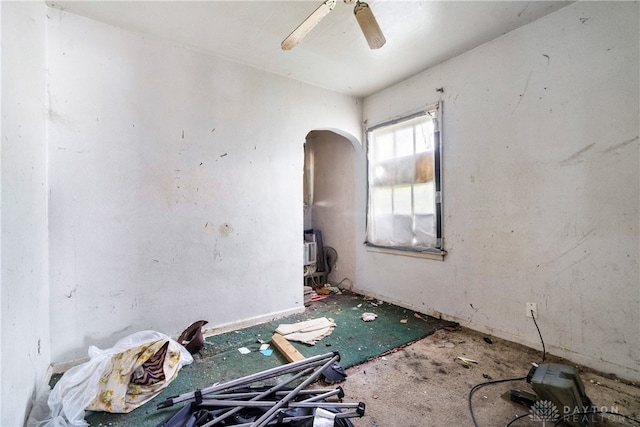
x=403, y=231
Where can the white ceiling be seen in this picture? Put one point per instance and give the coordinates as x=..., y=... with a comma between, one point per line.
x=335, y=55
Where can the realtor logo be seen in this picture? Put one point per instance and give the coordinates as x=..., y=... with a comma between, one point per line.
x=544, y=411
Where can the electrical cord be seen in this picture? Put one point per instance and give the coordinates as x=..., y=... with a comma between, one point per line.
x=565, y=417
x=478, y=386
x=544, y=351
x=519, y=417
x=347, y=280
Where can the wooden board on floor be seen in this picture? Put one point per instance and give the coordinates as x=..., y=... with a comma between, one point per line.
x=284, y=346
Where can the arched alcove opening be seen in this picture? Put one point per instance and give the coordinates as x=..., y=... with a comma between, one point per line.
x=329, y=203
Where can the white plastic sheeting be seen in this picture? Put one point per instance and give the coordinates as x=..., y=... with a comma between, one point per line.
x=104, y=382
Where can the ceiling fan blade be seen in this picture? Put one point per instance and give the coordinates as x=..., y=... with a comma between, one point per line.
x=369, y=25
x=308, y=24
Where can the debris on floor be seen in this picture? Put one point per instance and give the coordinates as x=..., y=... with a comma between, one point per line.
x=324, y=418
x=443, y=344
x=334, y=374
x=191, y=338
x=465, y=361
x=242, y=402
x=322, y=290
x=308, y=294
x=266, y=350
x=369, y=317
x=117, y=380
x=331, y=375
x=313, y=294
x=309, y=331
x=316, y=297
x=286, y=348
x=220, y=360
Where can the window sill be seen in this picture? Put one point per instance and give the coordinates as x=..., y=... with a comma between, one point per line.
x=438, y=256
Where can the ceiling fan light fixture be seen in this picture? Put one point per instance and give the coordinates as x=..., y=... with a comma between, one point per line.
x=369, y=25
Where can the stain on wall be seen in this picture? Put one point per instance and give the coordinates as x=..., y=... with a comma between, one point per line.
x=225, y=229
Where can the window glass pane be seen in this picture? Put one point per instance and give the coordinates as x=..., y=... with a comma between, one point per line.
x=384, y=174
x=404, y=142
x=402, y=210
x=424, y=199
x=382, y=201
x=425, y=230
x=425, y=167
x=382, y=230
x=382, y=146
x=402, y=200
x=424, y=136
x=406, y=170
x=402, y=230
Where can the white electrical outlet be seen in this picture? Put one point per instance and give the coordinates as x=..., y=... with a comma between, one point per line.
x=532, y=307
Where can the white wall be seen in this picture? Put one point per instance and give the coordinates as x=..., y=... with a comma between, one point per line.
x=541, y=184
x=333, y=213
x=153, y=229
x=24, y=309
x=176, y=185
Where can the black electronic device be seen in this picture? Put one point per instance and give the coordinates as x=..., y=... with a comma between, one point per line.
x=561, y=393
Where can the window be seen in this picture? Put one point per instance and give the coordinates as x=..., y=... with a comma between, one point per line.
x=404, y=209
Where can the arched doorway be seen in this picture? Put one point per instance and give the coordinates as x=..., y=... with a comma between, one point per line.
x=329, y=198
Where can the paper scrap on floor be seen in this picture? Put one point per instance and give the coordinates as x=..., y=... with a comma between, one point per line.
x=309, y=331
x=323, y=418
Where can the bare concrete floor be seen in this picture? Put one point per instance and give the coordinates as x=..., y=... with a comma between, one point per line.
x=424, y=385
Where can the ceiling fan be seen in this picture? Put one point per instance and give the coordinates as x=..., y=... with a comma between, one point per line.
x=364, y=16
